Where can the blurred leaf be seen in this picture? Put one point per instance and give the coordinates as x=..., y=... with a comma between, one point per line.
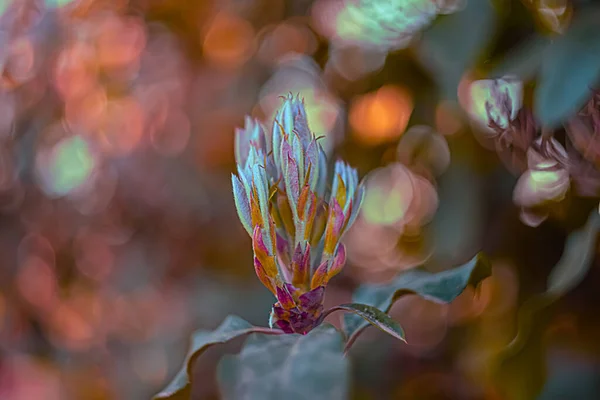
x=440, y=287
x=575, y=261
x=572, y=377
x=374, y=316
x=520, y=368
x=232, y=327
x=571, y=67
x=554, y=15
x=525, y=60
x=290, y=367
x=424, y=150
x=454, y=42
x=456, y=228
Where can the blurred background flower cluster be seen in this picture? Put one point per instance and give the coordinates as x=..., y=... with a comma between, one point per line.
x=118, y=232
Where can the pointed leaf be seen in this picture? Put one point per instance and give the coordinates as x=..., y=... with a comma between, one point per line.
x=441, y=287
x=374, y=316
x=291, y=367
x=229, y=329
x=242, y=205
x=571, y=67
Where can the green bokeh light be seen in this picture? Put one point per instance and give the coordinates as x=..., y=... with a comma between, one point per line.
x=383, y=206
x=71, y=165
x=58, y=3
x=387, y=24
x=4, y=4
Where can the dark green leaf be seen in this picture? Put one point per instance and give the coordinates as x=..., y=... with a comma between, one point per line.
x=520, y=368
x=572, y=378
x=231, y=328
x=454, y=43
x=291, y=367
x=570, y=68
x=524, y=61
x=374, y=316
x=441, y=287
x=576, y=259
x=457, y=226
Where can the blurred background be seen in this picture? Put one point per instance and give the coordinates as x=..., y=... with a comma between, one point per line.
x=118, y=232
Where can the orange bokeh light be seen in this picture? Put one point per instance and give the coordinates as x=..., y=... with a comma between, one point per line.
x=75, y=71
x=172, y=138
x=288, y=37
x=122, y=126
x=37, y=284
x=86, y=111
x=71, y=330
x=93, y=256
x=120, y=42
x=381, y=116
x=229, y=40
x=20, y=62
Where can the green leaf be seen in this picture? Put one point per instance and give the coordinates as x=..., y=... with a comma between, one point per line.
x=520, y=368
x=456, y=228
x=579, y=253
x=229, y=329
x=441, y=287
x=454, y=43
x=572, y=378
x=291, y=367
x=372, y=315
x=570, y=68
x=525, y=60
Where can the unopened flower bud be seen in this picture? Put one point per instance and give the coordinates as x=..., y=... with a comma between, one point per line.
x=295, y=224
x=495, y=103
x=546, y=179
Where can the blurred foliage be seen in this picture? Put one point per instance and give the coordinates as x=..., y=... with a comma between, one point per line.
x=525, y=354
x=570, y=67
x=288, y=362
x=442, y=287
x=118, y=231
x=271, y=367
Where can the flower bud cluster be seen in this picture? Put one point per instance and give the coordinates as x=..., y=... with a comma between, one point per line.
x=495, y=103
x=294, y=219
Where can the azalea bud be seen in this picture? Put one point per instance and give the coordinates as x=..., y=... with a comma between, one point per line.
x=252, y=136
x=546, y=179
x=295, y=224
x=495, y=103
